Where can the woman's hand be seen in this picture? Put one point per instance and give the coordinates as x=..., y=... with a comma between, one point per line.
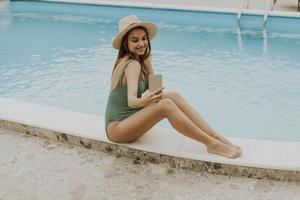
x=152, y=98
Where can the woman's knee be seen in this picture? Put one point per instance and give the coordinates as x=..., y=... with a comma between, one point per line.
x=167, y=105
x=172, y=95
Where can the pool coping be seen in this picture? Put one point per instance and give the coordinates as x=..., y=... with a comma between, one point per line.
x=261, y=159
x=179, y=7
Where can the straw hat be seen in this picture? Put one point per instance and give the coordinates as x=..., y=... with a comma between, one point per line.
x=130, y=22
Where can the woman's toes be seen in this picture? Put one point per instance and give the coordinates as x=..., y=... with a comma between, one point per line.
x=236, y=155
x=239, y=149
x=231, y=156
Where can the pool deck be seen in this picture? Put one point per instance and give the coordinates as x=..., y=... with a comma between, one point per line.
x=261, y=159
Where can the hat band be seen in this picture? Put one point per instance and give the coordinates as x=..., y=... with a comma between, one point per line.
x=132, y=24
x=129, y=25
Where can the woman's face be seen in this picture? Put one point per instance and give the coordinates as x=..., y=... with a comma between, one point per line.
x=137, y=41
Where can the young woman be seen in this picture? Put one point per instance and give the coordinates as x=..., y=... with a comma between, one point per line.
x=129, y=115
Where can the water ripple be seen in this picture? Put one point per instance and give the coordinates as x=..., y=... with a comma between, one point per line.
x=62, y=18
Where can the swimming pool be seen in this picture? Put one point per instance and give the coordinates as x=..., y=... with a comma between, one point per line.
x=244, y=81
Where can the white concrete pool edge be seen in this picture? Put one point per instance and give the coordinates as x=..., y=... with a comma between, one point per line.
x=179, y=7
x=257, y=153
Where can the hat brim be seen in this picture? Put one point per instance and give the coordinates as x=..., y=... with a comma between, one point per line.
x=150, y=27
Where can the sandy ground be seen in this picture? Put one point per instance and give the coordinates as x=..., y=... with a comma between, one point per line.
x=35, y=168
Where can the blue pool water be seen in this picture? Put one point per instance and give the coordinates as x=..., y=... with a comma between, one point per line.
x=244, y=81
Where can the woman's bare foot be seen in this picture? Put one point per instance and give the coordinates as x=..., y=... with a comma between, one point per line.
x=225, y=141
x=224, y=150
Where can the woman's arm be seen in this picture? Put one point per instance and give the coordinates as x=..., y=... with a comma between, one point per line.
x=132, y=73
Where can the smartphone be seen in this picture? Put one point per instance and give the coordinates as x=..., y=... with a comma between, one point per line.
x=155, y=82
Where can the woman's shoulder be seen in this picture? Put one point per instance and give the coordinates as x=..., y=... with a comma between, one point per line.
x=133, y=65
x=134, y=62
x=126, y=60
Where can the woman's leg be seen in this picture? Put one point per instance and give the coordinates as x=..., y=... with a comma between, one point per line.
x=131, y=128
x=194, y=116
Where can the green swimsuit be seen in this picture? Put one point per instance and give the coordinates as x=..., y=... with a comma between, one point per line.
x=117, y=107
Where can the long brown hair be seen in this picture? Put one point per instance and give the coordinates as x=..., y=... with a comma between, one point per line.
x=124, y=51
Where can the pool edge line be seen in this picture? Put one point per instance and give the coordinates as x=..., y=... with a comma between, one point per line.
x=180, y=8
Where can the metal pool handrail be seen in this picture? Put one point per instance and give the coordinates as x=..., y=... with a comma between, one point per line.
x=267, y=10
x=247, y=5
x=241, y=9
